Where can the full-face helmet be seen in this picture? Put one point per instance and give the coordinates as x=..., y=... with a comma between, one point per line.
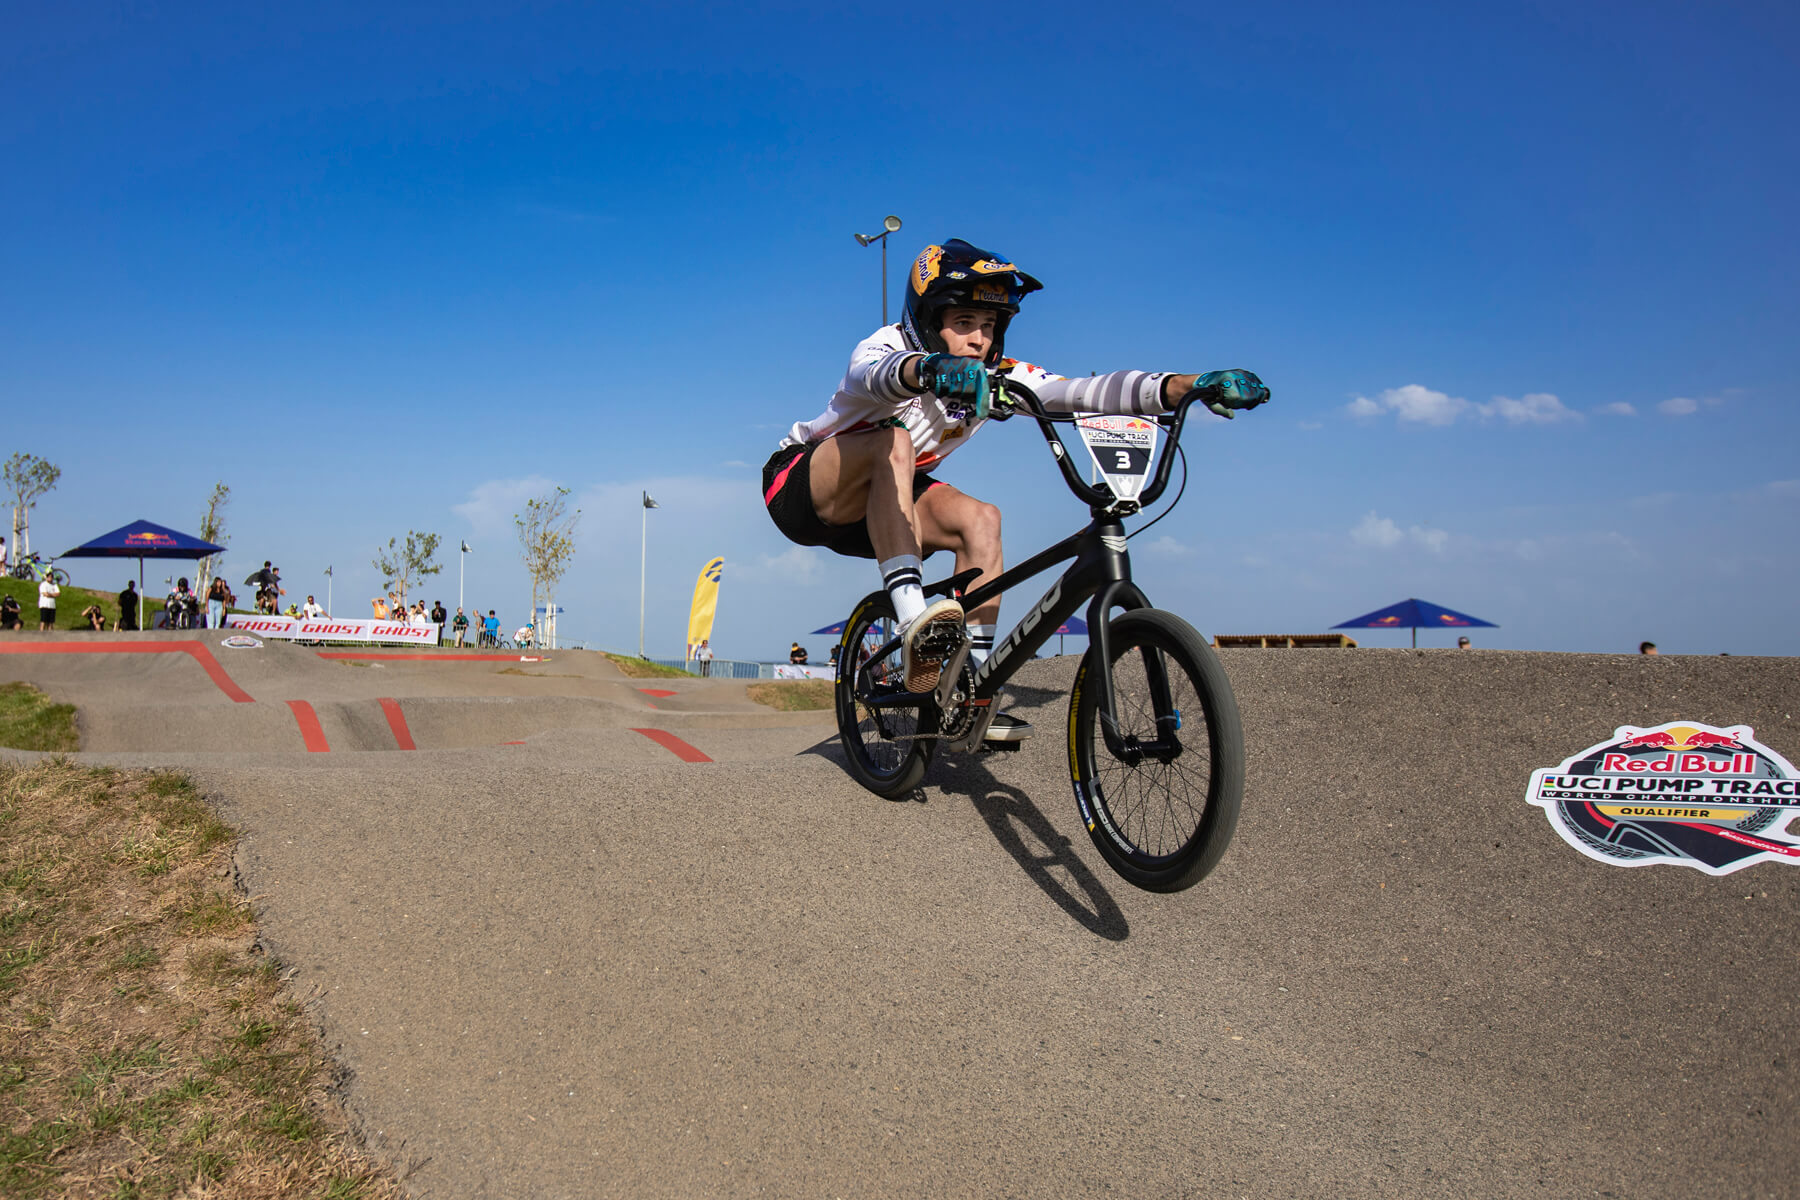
x=958, y=275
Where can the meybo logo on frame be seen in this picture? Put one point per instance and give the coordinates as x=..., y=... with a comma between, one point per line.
x=1695, y=795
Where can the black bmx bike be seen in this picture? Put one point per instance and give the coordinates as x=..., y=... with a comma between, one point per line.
x=1156, y=746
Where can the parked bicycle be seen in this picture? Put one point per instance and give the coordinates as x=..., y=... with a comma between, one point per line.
x=36, y=567
x=1156, y=747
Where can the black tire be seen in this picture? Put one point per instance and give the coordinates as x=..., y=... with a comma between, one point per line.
x=885, y=753
x=1163, y=821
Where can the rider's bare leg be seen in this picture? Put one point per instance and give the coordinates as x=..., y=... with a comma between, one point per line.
x=951, y=520
x=868, y=477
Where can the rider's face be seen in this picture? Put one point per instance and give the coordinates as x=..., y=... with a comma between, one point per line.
x=968, y=332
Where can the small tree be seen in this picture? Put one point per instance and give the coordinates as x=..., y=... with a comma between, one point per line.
x=547, y=542
x=403, y=565
x=27, y=478
x=212, y=529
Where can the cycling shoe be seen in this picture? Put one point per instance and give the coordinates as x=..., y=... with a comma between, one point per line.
x=932, y=637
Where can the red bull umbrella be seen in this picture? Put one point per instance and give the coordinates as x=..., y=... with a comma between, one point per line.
x=1414, y=615
x=141, y=540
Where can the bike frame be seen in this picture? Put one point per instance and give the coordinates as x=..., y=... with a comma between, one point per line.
x=1100, y=577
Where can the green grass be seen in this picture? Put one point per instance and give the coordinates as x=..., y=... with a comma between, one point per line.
x=29, y=721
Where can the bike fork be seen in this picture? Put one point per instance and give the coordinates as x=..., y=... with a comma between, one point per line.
x=1129, y=748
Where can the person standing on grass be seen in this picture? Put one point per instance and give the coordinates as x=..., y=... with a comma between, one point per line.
x=128, y=607
x=47, y=594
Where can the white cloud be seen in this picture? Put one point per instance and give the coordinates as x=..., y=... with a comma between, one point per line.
x=1681, y=406
x=1617, y=408
x=1383, y=534
x=797, y=565
x=1376, y=531
x=1538, y=408
x=1168, y=545
x=1421, y=405
x=491, y=505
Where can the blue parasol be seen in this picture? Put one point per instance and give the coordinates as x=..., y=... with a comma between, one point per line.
x=141, y=540
x=1413, y=614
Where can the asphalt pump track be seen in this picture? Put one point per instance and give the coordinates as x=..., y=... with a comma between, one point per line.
x=574, y=935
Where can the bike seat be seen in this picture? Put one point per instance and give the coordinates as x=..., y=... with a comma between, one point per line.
x=955, y=585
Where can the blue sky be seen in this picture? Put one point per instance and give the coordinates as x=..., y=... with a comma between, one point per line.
x=1523, y=282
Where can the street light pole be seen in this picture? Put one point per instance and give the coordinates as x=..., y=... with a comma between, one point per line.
x=889, y=225
x=643, y=564
x=460, y=555
x=328, y=591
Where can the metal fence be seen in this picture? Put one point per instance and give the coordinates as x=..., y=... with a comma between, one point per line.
x=723, y=668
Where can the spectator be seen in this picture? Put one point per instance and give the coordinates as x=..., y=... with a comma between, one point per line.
x=834, y=654
x=493, y=628
x=96, y=620
x=460, y=624
x=1646, y=647
x=525, y=636
x=215, y=603
x=2, y=556
x=379, y=604
x=417, y=617
x=1462, y=643
x=705, y=655
x=47, y=594
x=797, y=655
x=439, y=615
x=10, y=613
x=312, y=610
x=128, y=607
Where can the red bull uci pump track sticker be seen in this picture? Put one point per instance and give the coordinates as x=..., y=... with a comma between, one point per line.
x=1694, y=795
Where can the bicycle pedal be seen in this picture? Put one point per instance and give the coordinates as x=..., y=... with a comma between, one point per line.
x=988, y=747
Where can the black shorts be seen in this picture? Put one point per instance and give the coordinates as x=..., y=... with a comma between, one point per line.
x=46, y=616
x=787, y=493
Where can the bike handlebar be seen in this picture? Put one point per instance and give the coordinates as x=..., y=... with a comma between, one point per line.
x=1101, y=497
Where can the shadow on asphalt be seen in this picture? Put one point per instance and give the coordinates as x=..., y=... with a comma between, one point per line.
x=1046, y=856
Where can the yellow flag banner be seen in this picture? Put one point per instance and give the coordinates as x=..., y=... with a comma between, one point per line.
x=706, y=603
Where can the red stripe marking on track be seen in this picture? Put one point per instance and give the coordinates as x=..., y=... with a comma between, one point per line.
x=659, y=693
x=673, y=745
x=397, y=722
x=425, y=657
x=195, y=650
x=310, y=732
x=512, y=743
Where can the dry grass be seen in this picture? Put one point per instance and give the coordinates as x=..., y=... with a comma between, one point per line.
x=643, y=668
x=146, y=1048
x=29, y=721
x=793, y=695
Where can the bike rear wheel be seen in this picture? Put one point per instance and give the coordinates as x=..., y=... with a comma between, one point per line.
x=883, y=747
x=58, y=576
x=1162, y=815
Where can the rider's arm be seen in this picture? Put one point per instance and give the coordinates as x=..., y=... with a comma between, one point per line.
x=876, y=373
x=1117, y=393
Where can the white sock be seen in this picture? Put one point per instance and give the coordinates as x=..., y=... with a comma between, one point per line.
x=981, y=638
x=903, y=576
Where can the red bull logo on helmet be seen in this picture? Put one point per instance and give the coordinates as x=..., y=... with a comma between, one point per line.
x=925, y=268
x=1682, y=794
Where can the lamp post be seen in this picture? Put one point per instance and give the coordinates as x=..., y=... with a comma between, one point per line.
x=459, y=571
x=888, y=225
x=643, y=563
x=328, y=591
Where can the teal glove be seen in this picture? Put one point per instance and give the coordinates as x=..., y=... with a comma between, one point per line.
x=961, y=382
x=1226, y=391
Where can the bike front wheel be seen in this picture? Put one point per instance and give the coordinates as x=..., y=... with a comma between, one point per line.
x=883, y=746
x=1162, y=812
x=58, y=576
